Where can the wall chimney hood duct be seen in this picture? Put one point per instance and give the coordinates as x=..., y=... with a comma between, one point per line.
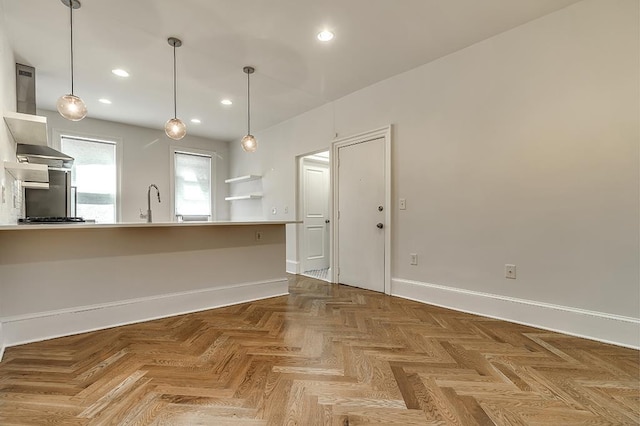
x=25, y=89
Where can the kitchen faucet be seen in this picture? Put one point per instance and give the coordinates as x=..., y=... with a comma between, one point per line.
x=148, y=215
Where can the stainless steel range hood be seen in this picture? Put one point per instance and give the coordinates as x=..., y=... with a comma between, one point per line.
x=41, y=154
x=28, y=150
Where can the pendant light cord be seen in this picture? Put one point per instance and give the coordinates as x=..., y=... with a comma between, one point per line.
x=175, y=107
x=71, y=20
x=248, y=103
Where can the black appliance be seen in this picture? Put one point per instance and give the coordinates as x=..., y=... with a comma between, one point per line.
x=53, y=202
x=49, y=220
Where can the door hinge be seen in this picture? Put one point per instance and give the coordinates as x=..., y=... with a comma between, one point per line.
x=338, y=214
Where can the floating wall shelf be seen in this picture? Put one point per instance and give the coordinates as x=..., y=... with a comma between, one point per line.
x=240, y=179
x=246, y=178
x=32, y=175
x=35, y=185
x=244, y=197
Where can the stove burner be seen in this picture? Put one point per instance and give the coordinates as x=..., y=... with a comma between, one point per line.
x=55, y=219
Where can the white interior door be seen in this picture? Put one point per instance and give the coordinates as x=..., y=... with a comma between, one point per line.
x=361, y=214
x=315, y=181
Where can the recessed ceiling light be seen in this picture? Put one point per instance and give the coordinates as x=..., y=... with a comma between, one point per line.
x=196, y=121
x=120, y=73
x=226, y=102
x=325, y=35
x=104, y=101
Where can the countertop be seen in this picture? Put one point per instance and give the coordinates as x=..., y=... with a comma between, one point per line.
x=89, y=225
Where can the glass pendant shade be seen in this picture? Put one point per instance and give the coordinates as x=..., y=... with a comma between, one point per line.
x=175, y=129
x=249, y=143
x=71, y=107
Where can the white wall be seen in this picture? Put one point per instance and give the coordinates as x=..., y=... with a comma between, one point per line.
x=276, y=161
x=8, y=213
x=145, y=160
x=521, y=149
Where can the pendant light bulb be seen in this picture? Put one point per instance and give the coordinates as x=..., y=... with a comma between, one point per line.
x=71, y=106
x=174, y=127
x=249, y=142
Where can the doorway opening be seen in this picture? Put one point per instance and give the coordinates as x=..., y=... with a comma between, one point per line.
x=314, y=205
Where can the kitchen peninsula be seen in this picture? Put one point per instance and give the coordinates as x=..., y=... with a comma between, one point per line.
x=58, y=280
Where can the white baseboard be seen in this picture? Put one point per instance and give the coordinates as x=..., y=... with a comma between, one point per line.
x=607, y=328
x=29, y=328
x=293, y=267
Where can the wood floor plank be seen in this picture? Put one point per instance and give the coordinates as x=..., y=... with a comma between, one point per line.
x=323, y=355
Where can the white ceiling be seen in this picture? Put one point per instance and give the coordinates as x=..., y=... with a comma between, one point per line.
x=374, y=40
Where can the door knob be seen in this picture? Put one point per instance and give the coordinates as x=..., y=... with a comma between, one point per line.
x=380, y=225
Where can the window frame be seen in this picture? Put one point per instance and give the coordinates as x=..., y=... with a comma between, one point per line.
x=58, y=134
x=172, y=177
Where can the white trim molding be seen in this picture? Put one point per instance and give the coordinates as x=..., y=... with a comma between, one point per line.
x=293, y=266
x=39, y=326
x=599, y=326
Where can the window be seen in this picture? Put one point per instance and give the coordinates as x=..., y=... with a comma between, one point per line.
x=192, y=184
x=94, y=177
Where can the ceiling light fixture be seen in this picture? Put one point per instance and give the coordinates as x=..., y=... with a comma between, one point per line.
x=174, y=127
x=120, y=72
x=249, y=142
x=226, y=102
x=70, y=106
x=325, y=35
x=196, y=120
x=104, y=101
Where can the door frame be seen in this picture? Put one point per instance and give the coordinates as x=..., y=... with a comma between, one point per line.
x=385, y=133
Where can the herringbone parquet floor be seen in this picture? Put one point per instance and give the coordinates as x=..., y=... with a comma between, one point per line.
x=325, y=355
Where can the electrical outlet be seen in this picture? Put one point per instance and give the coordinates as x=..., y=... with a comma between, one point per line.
x=274, y=211
x=286, y=209
x=510, y=271
x=403, y=204
x=258, y=236
x=413, y=258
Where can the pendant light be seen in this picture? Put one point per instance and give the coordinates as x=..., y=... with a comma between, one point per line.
x=174, y=127
x=249, y=142
x=70, y=106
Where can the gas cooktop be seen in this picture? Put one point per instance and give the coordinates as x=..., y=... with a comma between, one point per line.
x=49, y=220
